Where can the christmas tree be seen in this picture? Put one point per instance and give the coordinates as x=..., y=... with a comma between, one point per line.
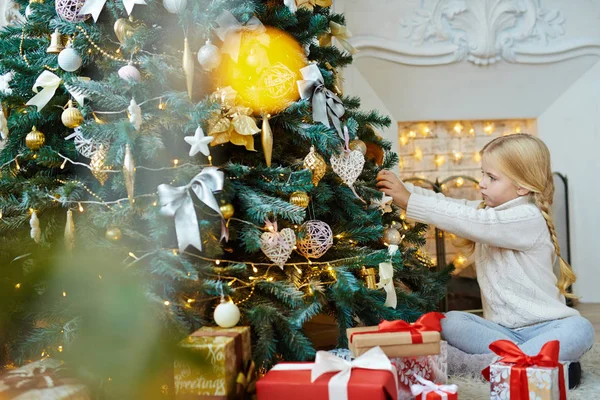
x=163, y=157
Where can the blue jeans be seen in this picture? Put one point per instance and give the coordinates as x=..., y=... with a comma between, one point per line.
x=473, y=334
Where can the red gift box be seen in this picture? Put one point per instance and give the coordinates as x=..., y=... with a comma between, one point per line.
x=292, y=381
x=427, y=390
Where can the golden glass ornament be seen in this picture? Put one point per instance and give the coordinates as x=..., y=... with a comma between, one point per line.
x=370, y=278
x=227, y=210
x=113, y=234
x=358, y=145
x=391, y=236
x=266, y=138
x=56, y=43
x=300, y=199
x=188, y=67
x=266, y=71
x=35, y=139
x=125, y=28
x=70, y=231
x=129, y=173
x=71, y=117
x=315, y=162
x=97, y=164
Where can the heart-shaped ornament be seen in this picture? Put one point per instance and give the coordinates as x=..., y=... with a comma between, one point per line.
x=348, y=165
x=278, y=246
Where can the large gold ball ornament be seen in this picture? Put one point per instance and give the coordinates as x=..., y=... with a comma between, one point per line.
x=227, y=210
x=113, y=234
x=71, y=117
x=35, y=139
x=358, y=145
x=300, y=199
x=391, y=236
x=267, y=69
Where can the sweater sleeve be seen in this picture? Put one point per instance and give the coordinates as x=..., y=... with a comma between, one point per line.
x=430, y=193
x=516, y=228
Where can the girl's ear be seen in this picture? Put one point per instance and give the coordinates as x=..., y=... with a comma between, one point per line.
x=522, y=191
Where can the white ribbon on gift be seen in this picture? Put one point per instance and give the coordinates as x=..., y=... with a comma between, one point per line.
x=338, y=384
x=386, y=281
x=49, y=82
x=95, y=7
x=427, y=386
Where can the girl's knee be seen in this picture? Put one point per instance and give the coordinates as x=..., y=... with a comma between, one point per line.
x=584, y=329
x=454, y=321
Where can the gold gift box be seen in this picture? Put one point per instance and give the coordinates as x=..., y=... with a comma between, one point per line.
x=393, y=344
x=541, y=381
x=241, y=335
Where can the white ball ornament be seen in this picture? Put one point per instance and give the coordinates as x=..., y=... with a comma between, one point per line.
x=69, y=60
x=130, y=73
x=209, y=56
x=175, y=6
x=227, y=314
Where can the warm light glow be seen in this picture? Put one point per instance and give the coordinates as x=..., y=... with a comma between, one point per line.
x=266, y=71
x=218, y=262
x=254, y=269
x=412, y=134
x=460, y=260
x=458, y=128
x=64, y=294
x=167, y=302
x=418, y=154
x=457, y=155
x=132, y=255
x=403, y=140
x=460, y=182
x=80, y=207
x=17, y=164
x=489, y=129
x=518, y=129
x=60, y=348
x=477, y=157
x=472, y=131
x=270, y=279
x=439, y=160
x=190, y=301
x=62, y=166
x=175, y=162
x=18, y=286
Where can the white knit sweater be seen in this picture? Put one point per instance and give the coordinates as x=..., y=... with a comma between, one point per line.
x=514, y=254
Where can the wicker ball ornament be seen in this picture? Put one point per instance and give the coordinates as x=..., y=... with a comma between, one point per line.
x=35, y=139
x=315, y=162
x=300, y=199
x=71, y=117
x=314, y=239
x=69, y=10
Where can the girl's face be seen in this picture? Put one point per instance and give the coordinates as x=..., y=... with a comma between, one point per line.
x=495, y=187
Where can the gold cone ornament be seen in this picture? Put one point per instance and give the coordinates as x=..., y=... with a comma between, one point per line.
x=315, y=162
x=35, y=139
x=97, y=164
x=188, y=67
x=129, y=173
x=266, y=138
x=56, y=43
x=70, y=231
x=71, y=117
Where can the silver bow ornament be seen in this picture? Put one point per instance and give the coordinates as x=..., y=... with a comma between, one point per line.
x=325, y=104
x=386, y=281
x=230, y=32
x=177, y=202
x=338, y=384
x=427, y=387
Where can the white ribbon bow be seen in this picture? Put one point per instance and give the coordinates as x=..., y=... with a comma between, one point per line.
x=229, y=25
x=5, y=82
x=427, y=386
x=338, y=384
x=49, y=82
x=95, y=7
x=177, y=202
x=386, y=281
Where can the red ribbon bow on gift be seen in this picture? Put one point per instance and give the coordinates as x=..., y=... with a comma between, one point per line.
x=511, y=353
x=427, y=322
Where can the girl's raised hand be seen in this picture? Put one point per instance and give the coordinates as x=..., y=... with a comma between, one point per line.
x=388, y=183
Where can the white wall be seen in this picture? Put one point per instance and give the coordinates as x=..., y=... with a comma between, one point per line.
x=571, y=129
x=355, y=84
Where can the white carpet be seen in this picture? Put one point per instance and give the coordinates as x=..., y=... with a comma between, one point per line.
x=471, y=389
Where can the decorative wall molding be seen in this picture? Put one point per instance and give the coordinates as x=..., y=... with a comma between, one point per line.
x=479, y=31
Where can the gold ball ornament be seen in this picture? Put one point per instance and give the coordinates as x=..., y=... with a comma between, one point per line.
x=391, y=236
x=227, y=210
x=71, y=116
x=35, y=139
x=358, y=145
x=300, y=199
x=113, y=234
x=315, y=162
x=266, y=71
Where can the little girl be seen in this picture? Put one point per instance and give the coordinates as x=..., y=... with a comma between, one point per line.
x=515, y=249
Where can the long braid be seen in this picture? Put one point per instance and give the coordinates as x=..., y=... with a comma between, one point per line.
x=567, y=276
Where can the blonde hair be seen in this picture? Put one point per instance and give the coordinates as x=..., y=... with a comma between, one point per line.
x=525, y=160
